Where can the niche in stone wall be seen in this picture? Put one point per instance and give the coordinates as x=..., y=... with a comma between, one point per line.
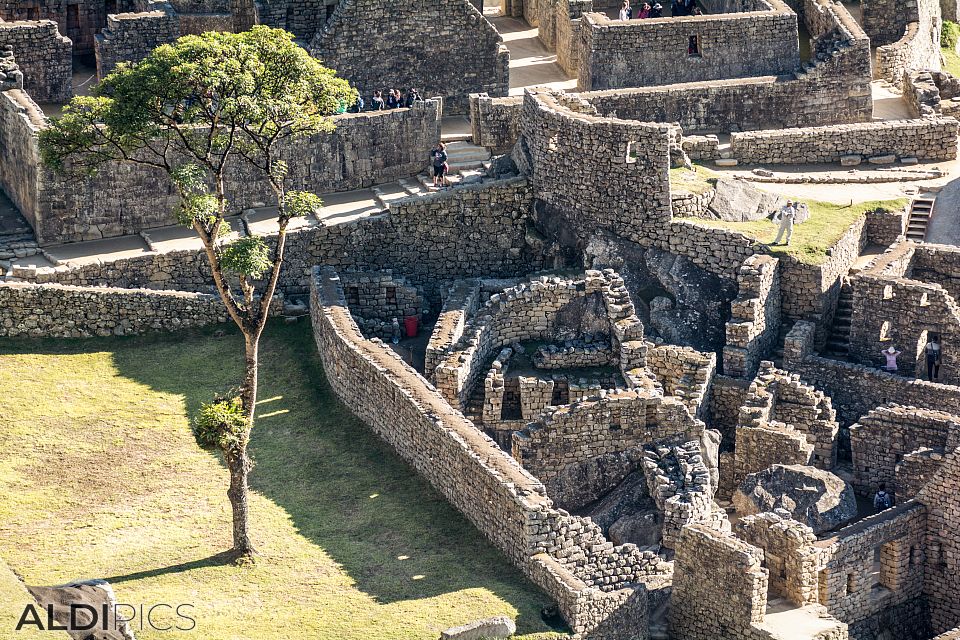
x=885, y=331
x=694, y=47
x=632, y=152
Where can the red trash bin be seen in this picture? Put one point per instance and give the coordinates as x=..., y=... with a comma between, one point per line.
x=410, y=324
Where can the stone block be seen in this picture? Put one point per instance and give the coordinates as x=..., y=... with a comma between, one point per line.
x=488, y=628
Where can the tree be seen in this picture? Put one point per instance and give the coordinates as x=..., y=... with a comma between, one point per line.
x=193, y=109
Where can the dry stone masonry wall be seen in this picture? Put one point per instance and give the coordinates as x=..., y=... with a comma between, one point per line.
x=639, y=53
x=458, y=52
x=44, y=57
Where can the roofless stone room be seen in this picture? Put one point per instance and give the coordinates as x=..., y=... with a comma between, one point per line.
x=477, y=319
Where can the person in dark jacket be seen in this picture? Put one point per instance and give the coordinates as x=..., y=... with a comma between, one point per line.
x=393, y=99
x=377, y=103
x=438, y=158
x=412, y=97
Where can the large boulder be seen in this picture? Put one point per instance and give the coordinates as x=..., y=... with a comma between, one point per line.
x=813, y=496
x=486, y=629
x=77, y=606
x=737, y=201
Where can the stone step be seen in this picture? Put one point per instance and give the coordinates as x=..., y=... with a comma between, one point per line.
x=455, y=137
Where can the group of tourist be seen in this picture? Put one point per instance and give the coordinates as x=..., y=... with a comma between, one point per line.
x=393, y=100
x=646, y=10
x=932, y=352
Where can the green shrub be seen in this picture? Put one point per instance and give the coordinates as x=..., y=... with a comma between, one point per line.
x=222, y=424
x=949, y=35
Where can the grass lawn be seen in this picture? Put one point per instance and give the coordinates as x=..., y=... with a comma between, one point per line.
x=811, y=239
x=100, y=478
x=951, y=61
x=700, y=180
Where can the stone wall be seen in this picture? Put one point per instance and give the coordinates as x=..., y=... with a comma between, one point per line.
x=130, y=37
x=850, y=587
x=810, y=291
x=684, y=373
x=834, y=90
x=57, y=311
x=679, y=483
x=459, y=303
x=457, y=51
x=906, y=34
x=937, y=264
x=592, y=173
x=639, y=53
x=20, y=117
x=926, y=139
x=779, y=397
x=856, y=389
x=364, y=149
x=789, y=553
x=78, y=20
x=600, y=588
x=44, y=57
x=495, y=122
x=303, y=18
x=568, y=43
x=754, y=325
x=941, y=580
x=880, y=440
x=719, y=587
x=573, y=435
x=417, y=238
x=529, y=311
x=376, y=298
x=897, y=311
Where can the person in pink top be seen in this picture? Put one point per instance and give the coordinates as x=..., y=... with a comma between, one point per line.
x=644, y=11
x=890, y=354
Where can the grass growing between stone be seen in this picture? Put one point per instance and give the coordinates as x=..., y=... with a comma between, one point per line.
x=100, y=477
x=812, y=239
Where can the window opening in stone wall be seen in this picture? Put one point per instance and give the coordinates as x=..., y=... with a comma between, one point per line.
x=73, y=17
x=631, y=152
x=330, y=8
x=353, y=297
x=561, y=393
x=885, y=331
x=33, y=13
x=111, y=7
x=851, y=583
x=391, y=295
x=694, y=47
x=888, y=292
x=510, y=409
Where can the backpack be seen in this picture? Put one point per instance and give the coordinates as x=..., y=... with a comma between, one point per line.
x=882, y=501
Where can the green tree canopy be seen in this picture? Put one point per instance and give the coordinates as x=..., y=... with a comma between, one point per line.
x=188, y=109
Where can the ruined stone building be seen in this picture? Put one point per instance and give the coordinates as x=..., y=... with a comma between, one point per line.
x=672, y=429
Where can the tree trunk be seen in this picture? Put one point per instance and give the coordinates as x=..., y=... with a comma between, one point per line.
x=238, y=462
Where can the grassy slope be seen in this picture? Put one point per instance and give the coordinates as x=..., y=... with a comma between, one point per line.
x=100, y=477
x=827, y=223
x=951, y=60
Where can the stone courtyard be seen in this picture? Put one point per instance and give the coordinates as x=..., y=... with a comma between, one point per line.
x=588, y=342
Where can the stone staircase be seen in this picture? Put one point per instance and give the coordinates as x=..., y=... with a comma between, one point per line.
x=838, y=342
x=16, y=236
x=921, y=210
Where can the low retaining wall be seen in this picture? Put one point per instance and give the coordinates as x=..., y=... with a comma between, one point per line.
x=57, y=311
x=364, y=149
x=417, y=237
x=600, y=588
x=928, y=139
